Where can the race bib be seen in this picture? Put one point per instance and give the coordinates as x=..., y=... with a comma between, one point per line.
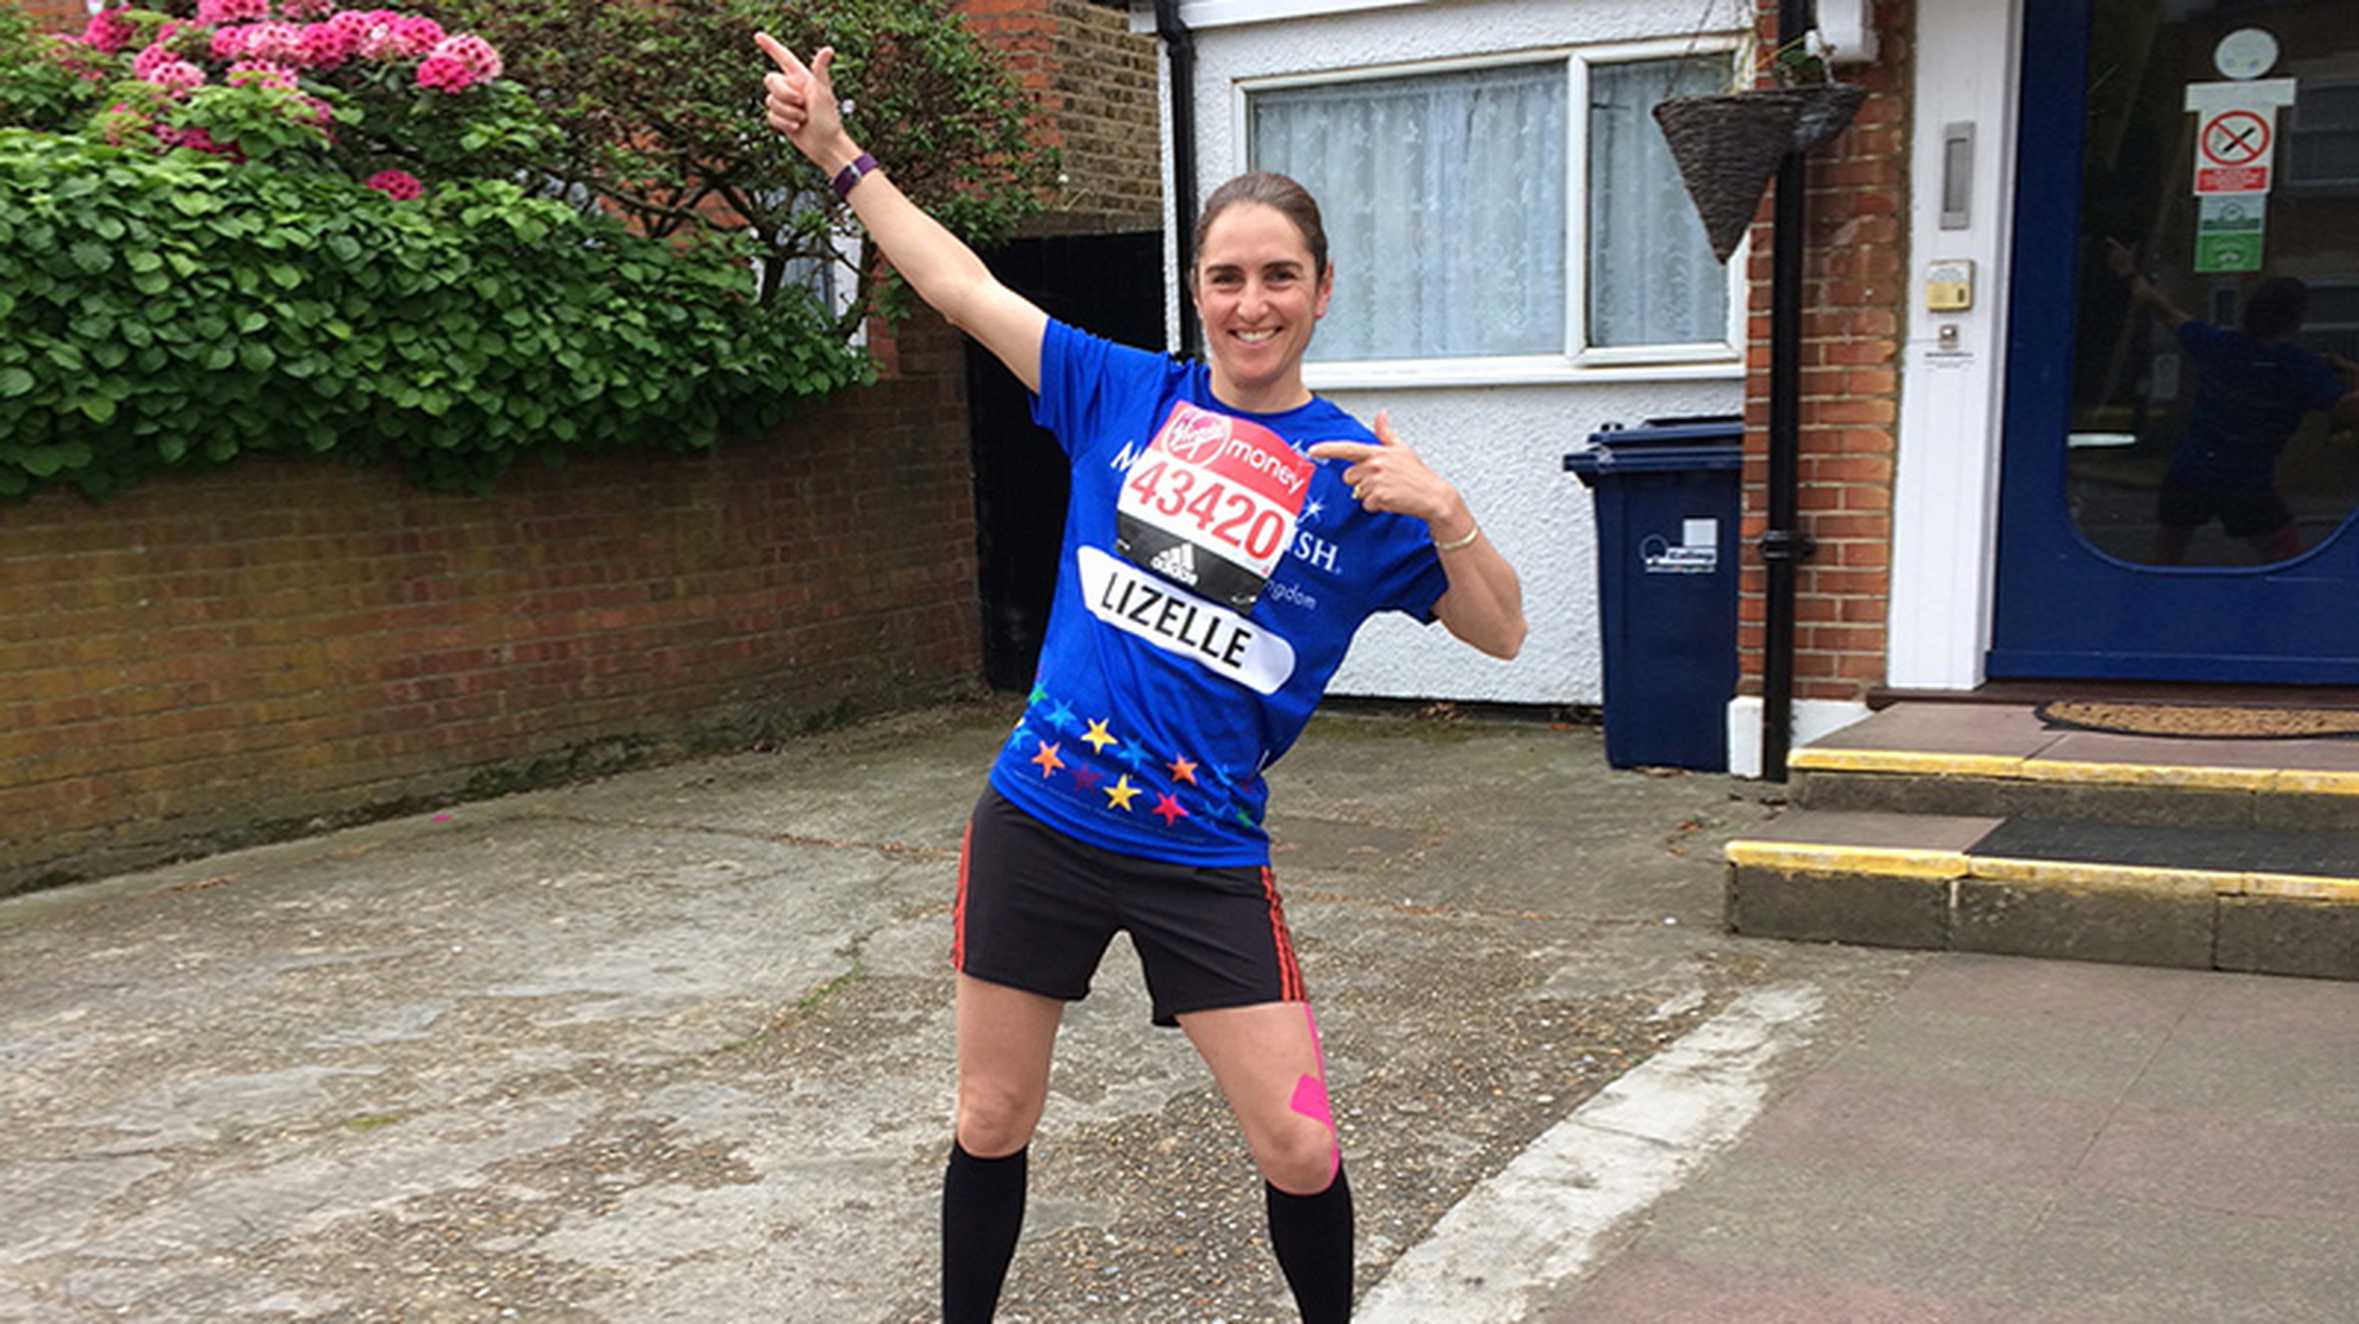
x=1182, y=624
x=1212, y=504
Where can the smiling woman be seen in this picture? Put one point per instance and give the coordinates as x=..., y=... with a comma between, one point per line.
x=1228, y=534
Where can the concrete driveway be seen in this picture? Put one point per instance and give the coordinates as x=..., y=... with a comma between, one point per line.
x=676, y=1045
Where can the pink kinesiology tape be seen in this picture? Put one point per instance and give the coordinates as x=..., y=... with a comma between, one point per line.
x=1310, y=1095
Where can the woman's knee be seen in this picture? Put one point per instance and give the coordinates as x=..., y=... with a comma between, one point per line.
x=1300, y=1159
x=995, y=1121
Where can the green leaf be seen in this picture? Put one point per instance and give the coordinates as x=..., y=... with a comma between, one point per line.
x=91, y=256
x=286, y=276
x=255, y=356
x=172, y=447
x=66, y=356
x=14, y=382
x=98, y=408
x=141, y=259
x=251, y=320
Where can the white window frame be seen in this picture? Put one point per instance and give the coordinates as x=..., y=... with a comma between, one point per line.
x=1579, y=361
x=2294, y=128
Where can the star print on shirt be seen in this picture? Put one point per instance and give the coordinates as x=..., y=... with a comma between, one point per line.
x=1135, y=756
x=1182, y=770
x=1099, y=737
x=1169, y=808
x=1121, y=793
x=1086, y=777
x=1048, y=760
x=1061, y=717
x=1017, y=737
x=1039, y=695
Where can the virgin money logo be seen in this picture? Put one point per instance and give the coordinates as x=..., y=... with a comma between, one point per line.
x=1195, y=436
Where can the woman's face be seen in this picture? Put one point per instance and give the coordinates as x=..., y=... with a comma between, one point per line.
x=1258, y=297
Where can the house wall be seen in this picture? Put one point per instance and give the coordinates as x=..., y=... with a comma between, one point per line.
x=1855, y=295
x=1094, y=83
x=1503, y=444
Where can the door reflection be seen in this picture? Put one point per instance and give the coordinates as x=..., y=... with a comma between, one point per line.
x=2216, y=384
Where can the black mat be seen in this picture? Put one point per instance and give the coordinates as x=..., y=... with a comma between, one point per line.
x=2226, y=849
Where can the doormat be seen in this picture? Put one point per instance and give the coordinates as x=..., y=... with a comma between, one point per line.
x=2200, y=722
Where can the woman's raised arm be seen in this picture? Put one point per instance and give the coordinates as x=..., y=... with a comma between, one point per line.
x=942, y=269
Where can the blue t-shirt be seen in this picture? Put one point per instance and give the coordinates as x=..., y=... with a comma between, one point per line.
x=2250, y=396
x=1211, y=578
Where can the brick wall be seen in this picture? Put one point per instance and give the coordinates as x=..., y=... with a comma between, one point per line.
x=1094, y=84
x=1854, y=306
x=55, y=15
x=211, y=660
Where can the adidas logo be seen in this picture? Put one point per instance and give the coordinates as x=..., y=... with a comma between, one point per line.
x=1177, y=562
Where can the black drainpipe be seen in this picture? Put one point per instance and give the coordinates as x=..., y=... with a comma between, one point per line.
x=1181, y=43
x=1784, y=546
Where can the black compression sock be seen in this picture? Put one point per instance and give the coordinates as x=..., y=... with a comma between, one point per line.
x=1312, y=1235
x=982, y=1213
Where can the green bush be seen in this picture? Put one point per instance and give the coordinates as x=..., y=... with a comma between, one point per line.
x=178, y=310
x=658, y=104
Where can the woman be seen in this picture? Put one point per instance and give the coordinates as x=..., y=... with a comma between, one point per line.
x=1227, y=534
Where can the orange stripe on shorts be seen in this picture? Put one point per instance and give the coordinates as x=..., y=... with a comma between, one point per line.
x=958, y=909
x=1289, y=969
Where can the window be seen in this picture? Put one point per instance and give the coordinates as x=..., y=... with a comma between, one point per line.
x=1481, y=229
x=2322, y=139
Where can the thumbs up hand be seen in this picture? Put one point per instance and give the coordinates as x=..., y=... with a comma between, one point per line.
x=801, y=102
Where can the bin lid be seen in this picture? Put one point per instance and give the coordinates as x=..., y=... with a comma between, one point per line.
x=1683, y=430
x=1607, y=461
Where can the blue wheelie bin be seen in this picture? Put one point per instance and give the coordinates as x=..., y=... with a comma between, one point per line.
x=1667, y=497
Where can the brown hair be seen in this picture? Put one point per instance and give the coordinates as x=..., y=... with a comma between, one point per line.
x=2276, y=308
x=1280, y=194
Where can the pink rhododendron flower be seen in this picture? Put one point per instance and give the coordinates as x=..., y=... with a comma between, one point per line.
x=212, y=13
x=108, y=31
x=278, y=42
x=326, y=47
x=399, y=185
x=154, y=57
x=472, y=51
x=178, y=76
x=306, y=8
x=445, y=74
x=261, y=73
x=230, y=43
x=415, y=36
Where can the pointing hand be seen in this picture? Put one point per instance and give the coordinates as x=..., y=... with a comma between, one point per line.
x=1389, y=476
x=801, y=101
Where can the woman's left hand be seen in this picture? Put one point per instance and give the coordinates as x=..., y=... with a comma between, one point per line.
x=1389, y=477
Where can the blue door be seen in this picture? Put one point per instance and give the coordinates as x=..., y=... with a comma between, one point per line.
x=2180, y=465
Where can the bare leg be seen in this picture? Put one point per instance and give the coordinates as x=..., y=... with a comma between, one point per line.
x=1005, y=1037
x=1269, y=1064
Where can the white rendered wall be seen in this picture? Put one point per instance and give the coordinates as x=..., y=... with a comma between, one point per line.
x=1502, y=445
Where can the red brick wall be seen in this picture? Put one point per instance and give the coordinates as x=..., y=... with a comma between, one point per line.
x=56, y=15
x=215, y=659
x=1854, y=306
x=1094, y=84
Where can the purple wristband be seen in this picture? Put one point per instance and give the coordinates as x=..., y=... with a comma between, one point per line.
x=852, y=174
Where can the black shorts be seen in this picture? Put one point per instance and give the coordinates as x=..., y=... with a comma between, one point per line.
x=1036, y=909
x=2245, y=511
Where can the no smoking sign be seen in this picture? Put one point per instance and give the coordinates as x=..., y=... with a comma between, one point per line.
x=2236, y=126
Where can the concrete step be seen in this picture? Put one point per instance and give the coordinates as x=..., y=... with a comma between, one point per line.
x=2265, y=900
x=2002, y=761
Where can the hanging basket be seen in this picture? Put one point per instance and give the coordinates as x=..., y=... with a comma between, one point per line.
x=1728, y=146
